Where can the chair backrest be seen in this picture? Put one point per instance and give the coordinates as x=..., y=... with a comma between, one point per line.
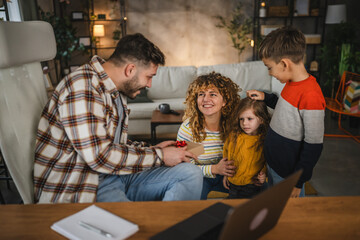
x=23, y=45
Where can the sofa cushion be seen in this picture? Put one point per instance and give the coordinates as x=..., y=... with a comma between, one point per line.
x=171, y=82
x=248, y=75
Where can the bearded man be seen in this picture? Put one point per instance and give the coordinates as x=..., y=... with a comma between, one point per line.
x=82, y=152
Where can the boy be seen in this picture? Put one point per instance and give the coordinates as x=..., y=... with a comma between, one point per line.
x=295, y=137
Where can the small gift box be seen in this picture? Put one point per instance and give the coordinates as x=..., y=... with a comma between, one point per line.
x=195, y=148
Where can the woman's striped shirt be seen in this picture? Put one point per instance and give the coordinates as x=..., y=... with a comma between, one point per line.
x=213, y=146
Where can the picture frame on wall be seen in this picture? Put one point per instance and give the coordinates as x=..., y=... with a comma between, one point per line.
x=85, y=41
x=266, y=29
x=302, y=7
x=76, y=15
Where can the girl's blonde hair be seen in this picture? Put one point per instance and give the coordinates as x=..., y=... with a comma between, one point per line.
x=228, y=90
x=260, y=110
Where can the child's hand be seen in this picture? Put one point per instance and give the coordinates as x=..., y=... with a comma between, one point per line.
x=295, y=192
x=226, y=182
x=261, y=177
x=255, y=94
x=224, y=167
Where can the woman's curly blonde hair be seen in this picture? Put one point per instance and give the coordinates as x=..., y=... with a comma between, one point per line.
x=230, y=93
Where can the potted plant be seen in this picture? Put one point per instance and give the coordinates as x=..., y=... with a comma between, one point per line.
x=340, y=52
x=239, y=27
x=65, y=35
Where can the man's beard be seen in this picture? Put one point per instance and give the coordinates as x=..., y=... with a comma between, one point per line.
x=131, y=87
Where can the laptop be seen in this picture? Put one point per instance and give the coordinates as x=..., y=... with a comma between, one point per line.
x=250, y=220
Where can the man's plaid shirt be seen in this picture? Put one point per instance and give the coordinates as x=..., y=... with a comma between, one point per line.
x=75, y=138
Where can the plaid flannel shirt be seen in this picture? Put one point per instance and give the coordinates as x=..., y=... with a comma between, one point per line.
x=75, y=138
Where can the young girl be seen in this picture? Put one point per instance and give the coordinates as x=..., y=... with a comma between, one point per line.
x=245, y=147
x=210, y=102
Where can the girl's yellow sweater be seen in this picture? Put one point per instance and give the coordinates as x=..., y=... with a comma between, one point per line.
x=248, y=161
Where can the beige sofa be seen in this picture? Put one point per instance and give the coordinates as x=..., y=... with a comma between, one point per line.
x=171, y=83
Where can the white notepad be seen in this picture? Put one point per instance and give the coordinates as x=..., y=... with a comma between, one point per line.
x=98, y=219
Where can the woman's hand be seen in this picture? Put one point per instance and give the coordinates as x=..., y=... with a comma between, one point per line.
x=226, y=182
x=224, y=167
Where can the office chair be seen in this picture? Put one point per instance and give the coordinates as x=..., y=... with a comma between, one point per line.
x=23, y=45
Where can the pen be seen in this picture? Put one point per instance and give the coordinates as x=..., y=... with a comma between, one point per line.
x=95, y=229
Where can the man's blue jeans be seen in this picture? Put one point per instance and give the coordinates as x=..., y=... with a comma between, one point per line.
x=274, y=178
x=181, y=182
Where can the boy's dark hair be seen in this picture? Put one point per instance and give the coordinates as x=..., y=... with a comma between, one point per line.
x=286, y=42
x=136, y=47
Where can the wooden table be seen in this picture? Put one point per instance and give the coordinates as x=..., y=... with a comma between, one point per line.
x=303, y=218
x=159, y=118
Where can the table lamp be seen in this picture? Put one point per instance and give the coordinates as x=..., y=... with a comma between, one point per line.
x=98, y=31
x=336, y=14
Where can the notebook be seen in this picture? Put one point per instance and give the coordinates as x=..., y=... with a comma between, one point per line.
x=250, y=220
x=95, y=223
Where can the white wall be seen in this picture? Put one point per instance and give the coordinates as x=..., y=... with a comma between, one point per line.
x=185, y=29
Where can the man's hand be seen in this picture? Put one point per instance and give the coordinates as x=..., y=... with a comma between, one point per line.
x=226, y=182
x=173, y=156
x=165, y=144
x=255, y=94
x=295, y=192
x=224, y=167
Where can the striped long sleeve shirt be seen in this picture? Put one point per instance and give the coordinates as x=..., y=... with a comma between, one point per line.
x=75, y=138
x=213, y=146
x=295, y=137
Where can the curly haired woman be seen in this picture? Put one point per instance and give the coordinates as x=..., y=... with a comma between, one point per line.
x=210, y=103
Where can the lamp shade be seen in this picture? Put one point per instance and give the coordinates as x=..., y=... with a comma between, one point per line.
x=99, y=31
x=336, y=14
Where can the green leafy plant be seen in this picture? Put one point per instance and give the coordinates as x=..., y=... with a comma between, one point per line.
x=353, y=61
x=339, y=53
x=116, y=34
x=239, y=28
x=65, y=34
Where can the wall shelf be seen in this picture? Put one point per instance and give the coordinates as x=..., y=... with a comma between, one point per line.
x=309, y=24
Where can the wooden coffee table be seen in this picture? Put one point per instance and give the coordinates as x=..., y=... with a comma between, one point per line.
x=159, y=118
